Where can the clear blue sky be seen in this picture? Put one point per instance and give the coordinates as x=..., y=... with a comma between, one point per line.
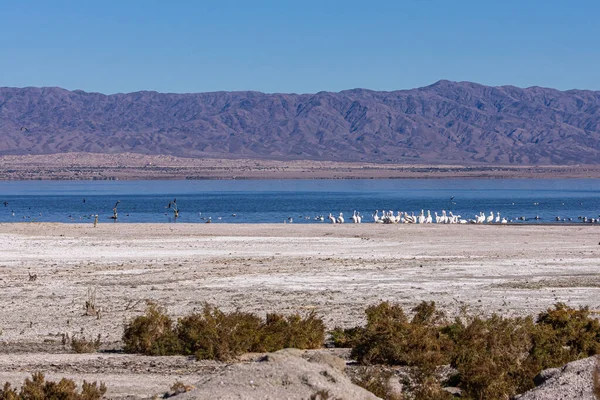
x=299, y=46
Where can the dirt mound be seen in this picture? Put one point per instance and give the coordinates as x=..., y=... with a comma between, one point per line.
x=281, y=375
x=573, y=381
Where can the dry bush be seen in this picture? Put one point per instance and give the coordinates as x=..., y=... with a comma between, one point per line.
x=348, y=337
x=390, y=338
x=152, y=333
x=90, y=304
x=376, y=379
x=214, y=334
x=178, y=388
x=85, y=346
x=495, y=357
x=490, y=356
x=37, y=388
x=564, y=334
x=279, y=332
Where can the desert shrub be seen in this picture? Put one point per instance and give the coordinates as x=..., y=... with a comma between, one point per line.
x=217, y=335
x=564, y=334
x=84, y=345
x=390, y=338
x=213, y=334
x=279, y=332
x=37, y=388
x=348, y=337
x=430, y=388
x=152, y=333
x=376, y=379
x=490, y=357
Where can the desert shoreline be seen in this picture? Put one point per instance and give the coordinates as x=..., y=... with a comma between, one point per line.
x=335, y=270
x=133, y=166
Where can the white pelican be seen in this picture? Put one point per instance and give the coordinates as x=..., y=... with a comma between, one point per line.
x=376, y=216
x=333, y=221
x=497, y=217
x=480, y=219
x=444, y=217
x=340, y=219
x=429, y=218
x=490, y=218
x=421, y=219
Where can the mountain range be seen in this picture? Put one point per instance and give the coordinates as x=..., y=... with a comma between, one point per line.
x=447, y=122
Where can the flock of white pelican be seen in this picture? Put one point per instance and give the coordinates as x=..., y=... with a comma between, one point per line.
x=388, y=217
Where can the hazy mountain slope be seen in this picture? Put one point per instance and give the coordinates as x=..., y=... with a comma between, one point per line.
x=445, y=122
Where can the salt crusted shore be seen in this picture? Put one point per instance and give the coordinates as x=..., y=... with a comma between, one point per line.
x=336, y=270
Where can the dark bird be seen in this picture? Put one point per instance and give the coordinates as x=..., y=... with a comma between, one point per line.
x=5, y=203
x=23, y=129
x=84, y=200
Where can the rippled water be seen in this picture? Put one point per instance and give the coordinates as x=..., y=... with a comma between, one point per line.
x=274, y=201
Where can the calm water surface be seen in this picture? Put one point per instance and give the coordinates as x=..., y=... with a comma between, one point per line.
x=274, y=201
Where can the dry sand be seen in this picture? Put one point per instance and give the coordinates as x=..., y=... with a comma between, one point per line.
x=336, y=270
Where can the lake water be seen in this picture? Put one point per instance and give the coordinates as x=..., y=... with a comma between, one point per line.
x=274, y=201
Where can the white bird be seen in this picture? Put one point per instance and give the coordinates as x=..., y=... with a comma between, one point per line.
x=504, y=221
x=429, y=219
x=421, y=219
x=480, y=219
x=490, y=218
x=358, y=218
x=444, y=217
x=333, y=221
x=497, y=217
x=376, y=216
x=437, y=218
x=452, y=219
x=340, y=219
x=354, y=217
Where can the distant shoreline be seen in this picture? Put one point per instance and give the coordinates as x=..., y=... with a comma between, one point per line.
x=131, y=166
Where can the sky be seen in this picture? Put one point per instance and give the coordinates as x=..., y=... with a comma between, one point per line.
x=297, y=46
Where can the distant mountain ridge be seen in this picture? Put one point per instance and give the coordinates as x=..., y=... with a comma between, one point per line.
x=447, y=122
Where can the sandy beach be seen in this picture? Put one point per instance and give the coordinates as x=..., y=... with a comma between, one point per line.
x=336, y=270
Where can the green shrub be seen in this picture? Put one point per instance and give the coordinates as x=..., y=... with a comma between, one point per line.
x=279, y=332
x=151, y=334
x=37, y=388
x=214, y=334
x=376, y=379
x=495, y=357
x=346, y=337
x=389, y=338
x=490, y=356
x=564, y=334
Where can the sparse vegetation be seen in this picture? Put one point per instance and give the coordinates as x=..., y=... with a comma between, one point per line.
x=37, y=388
x=377, y=380
x=83, y=345
x=151, y=334
x=177, y=388
x=214, y=334
x=90, y=304
x=494, y=358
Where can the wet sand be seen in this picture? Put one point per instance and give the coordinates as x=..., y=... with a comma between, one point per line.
x=336, y=270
